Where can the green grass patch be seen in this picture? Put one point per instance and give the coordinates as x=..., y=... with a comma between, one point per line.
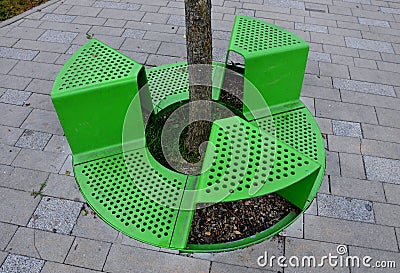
x=11, y=8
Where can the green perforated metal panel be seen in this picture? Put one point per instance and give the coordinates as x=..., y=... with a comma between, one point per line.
x=131, y=195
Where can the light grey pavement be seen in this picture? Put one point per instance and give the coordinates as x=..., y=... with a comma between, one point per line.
x=352, y=86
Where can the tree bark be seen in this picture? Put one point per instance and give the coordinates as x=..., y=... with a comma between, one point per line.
x=199, y=52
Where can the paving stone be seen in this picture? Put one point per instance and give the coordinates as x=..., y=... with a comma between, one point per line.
x=245, y=12
x=58, y=144
x=40, y=244
x=364, y=87
x=285, y=4
x=56, y=215
x=365, y=63
x=369, y=99
x=392, y=193
x=343, y=60
x=227, y=268
x=344, y=144
x=51, y=267
x=47, y=57
x=62, y=18
x=134, y=33
x=325, y=125
x=33, y=140
x=334, y=70
x=171, y=49
x=92, y=227
x=382, y=169
x=377, y=76
x=8, y=154
x=25, y=33
x=42, y=46
x=319, y=57
x=390, y=10
x=3, y=256
x=40, y=86
x=309, y=103
x=139, y=57
x=372, y=22
x=351, y=165
x=353, y=233
x=15, y=97
x=57, y=36
x=36, y=70
x=122, y=239
x=16, y=264
x=313, y=208
x=356, y=188
x=376, y=255
x=141, y=45
x=345, y=111
x=115, y=5
x=158, y=60
x=111, y=31
x=84, y=11
x=19, y=54
x=329, y=39
x=294, y=230
x=9, y=135
x=7, y=232
x=17, y=206
x=115, y=23
x=345, y=208
x=40, y=101
x=85, y=20
x=23, y=179
x=380, y=148
x=332, y=163
x=388, y=117
x=387, y=214
x=63, y=186
x=177, y=20
x=7, y=42
x=44, y=121
x=302, y=248
x=312, y=28
x=118, y=14
x=67, y=167
x=120, y=259
x=88, y=253
x=345, y=128
x=248, y=256
x=73, y=49
x=6, y=65
x=40, y=160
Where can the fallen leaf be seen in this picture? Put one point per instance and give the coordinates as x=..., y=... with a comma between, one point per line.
x=207, y=233
x=237, y=232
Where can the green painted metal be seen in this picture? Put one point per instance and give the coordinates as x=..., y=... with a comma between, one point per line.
x=275, y=61
x=131, y=191
x=91, y=95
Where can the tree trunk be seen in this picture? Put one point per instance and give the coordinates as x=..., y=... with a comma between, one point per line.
x=199, y=52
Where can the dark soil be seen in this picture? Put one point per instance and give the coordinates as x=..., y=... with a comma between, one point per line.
x=226, y=221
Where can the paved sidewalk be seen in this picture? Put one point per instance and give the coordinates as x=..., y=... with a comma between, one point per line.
x=352, y=86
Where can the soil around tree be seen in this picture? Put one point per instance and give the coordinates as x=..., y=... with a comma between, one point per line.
x=11, y=8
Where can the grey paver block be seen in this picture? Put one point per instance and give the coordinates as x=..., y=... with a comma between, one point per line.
x=319, y=56
x=23, y=179
x=52, y=267
x=155, y=18
x=56, y=215
x=369, y=44
x=227, y=268
x=58, y=144
x=376, y=255
x=12, y=115
x=133, y=15
x=245, y=12
x=141, y=45
x=15, y=97
x=9, y=135
x=128, y=241
x=86, y=20
x=285, y=4
x=40, y=160
x=92, y=227
x=42, y=46
x=111, y=31
x=88, y=253
x=345, y=128
x=17, y=206
x=36, y=70
x=63, y=186
x=67, y=167
x=40, y=101
x=25, y=33
x=345, y=208
x=40, y=86
x=382, y=169
x=387, y=214
x=321, y=92
x=353, y=233
x=16, y=264
x=84, y=11
x=57, y=36
x=116, y=5
x=134, y=33
x=47, y=57
x=73, y=49
x=370, y=99
x=115, y=23
x=372, y=22
x=345, y=111
x=177, y=20
x=392, y=192
x=356, y=188
x=302, y=248
x=344, y=144
x=62, y=18
x=334, y=70
x=294, y=230
x=19, y=54
x=380, y=148
x=248, y=256
x=390, y=10
x=388, y=117
x=33, y=140
x=310, y=27
x=332, y=163
x=3, y=256
x=38, y=243
x=364, y=87
x=7, y=232
x=45, y=121
x=177, y=50
x=120, y=259
x=351, y=165
x=8, y=154
x=157, y=60
x=6, y=65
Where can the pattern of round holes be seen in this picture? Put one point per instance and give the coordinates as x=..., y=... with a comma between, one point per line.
x=255, y=35
x=96, y=64
x=294, y=129
x=134, y=193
